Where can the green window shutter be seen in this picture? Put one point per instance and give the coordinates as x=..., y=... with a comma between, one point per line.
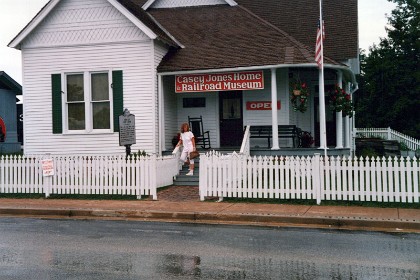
x=117, y=89
x=57, y=115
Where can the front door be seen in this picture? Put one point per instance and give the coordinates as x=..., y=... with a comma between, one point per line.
x=231, y=118
x=330, y=121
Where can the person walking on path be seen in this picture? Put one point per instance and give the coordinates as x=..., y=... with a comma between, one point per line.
x=188, y=142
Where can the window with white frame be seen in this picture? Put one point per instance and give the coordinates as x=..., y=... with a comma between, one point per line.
x=88, y=103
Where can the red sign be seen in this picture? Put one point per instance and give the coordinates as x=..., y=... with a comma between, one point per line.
x=261, y=105
x=219, y=81
x=47, y=167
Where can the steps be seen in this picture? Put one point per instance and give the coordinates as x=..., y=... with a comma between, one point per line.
x=184, y=180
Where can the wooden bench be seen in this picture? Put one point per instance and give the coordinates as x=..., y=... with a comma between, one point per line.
x=285, y=131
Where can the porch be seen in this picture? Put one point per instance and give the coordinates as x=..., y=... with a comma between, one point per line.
x=226, y=113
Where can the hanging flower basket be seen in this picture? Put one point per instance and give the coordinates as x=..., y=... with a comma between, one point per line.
x=340, y=101
x=299, y=96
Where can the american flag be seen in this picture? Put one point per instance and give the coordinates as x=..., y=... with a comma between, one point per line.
x=318, y=49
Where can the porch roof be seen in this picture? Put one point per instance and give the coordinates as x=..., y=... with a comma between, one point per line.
x=217, y=37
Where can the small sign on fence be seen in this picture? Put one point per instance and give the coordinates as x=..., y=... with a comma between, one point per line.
x=47, y=167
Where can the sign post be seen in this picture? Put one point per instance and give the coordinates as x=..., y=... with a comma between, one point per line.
x=127, y=130
x=47, y=166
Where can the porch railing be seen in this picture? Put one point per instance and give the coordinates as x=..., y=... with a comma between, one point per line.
x=88, y=175
x=347, y=178
x=246, y=145
x=389, y=134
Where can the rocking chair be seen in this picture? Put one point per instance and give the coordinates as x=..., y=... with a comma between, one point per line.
x=201, y=137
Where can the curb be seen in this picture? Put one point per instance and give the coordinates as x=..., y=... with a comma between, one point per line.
x=214, y=218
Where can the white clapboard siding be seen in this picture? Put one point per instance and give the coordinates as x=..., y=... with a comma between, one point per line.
x=76, y=22
x=41, y=63
x=170, y=110
x=88, y=175
x=210, y=114
x=348, y=178
x=160, y=51
x=71, y=39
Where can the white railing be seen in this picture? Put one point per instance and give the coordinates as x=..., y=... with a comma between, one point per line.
x=245, y=147
x=88, y=175
x=389, y=134
x=347, y=178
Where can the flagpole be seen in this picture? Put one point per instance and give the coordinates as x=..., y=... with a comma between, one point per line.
x=322, y=125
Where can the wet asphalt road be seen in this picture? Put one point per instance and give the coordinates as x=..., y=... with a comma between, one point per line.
x=74, y=249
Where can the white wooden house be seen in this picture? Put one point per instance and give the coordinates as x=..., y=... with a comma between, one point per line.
x=85, y=61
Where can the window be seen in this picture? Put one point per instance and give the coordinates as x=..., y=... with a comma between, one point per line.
x=191, y=102
x=101, y=106
x=88, y=102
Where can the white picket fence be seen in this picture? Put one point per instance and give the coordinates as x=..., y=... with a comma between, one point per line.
x=389, y=134
x=88, y=175
x=347, y=178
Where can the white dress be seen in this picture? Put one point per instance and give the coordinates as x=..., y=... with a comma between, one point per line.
x=187, y=143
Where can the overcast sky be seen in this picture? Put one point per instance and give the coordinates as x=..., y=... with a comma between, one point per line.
x=15, y=14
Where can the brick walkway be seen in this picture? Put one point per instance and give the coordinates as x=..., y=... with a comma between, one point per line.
x=179, y=193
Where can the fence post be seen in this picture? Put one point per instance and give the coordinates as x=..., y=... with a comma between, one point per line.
x=202, y=178
x=153, y=184
x=389, y=133
x=316, y=175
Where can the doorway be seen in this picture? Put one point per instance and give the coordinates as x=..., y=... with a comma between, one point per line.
x=230, y=118
x=330, y=121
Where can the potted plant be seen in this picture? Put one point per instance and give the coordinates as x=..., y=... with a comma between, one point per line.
x=340, y=101
x=299, y=96
x=306, y=139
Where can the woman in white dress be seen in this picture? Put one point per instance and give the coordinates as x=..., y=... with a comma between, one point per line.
x=188, y=142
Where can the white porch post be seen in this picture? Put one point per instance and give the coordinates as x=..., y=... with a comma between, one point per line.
x=274, y=120
x=322, y=124
x=347, y=129
x=339, y=117
x=161, y=117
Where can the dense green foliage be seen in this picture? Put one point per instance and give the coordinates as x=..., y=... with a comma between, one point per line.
x=390, y=75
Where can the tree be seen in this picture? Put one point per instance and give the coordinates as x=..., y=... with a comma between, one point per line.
x=390, y=75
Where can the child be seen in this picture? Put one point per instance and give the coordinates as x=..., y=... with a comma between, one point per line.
x=188, y=141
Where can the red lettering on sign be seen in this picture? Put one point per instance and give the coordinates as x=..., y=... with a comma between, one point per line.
x=219, y=82
x=261, y=105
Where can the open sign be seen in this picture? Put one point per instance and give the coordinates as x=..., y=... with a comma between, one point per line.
x=261, y=105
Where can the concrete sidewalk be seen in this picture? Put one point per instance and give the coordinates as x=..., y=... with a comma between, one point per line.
x=184, y=206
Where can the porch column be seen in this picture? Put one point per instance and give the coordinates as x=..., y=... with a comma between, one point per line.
x=347, y=130
x=274, y=121
x=161, y=117
x=339, y=117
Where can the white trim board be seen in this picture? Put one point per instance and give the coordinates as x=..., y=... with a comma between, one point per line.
x=24, y=33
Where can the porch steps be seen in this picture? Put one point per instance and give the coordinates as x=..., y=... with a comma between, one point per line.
x=184, y=180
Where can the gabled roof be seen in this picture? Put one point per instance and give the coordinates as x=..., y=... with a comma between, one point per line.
x=219, y=37
x=6, y=82
x=300, y=19
x=130, y=8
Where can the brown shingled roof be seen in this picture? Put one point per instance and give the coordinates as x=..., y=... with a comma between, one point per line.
x=223, y=37
x=300, y=19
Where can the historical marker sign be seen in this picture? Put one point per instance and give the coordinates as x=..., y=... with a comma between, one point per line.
x=127, y=128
